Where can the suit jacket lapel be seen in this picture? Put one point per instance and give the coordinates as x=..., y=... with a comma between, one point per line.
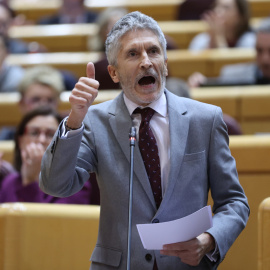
x=121, y=123
x=178, y=125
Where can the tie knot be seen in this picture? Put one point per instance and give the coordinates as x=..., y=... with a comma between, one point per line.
x=146, y=113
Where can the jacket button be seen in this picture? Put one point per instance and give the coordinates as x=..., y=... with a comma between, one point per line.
x=148, y=257
x=155, y=220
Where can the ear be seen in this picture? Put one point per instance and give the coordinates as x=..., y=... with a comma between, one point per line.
x=166, y=66
x=113, y=73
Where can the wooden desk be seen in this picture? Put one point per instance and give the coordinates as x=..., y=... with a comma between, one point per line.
x=181, y=63
x=74, y=62
x=158, y=9
x=57, y=38
x=249, y=105
x=75, y=37
x=259, y=8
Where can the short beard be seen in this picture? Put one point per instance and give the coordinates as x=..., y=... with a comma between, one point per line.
x=128, y=87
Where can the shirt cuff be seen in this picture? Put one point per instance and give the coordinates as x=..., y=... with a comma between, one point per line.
x=65, y=134
x=213, y=256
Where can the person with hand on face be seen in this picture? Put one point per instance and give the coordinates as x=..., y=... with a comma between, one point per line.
x=32, y=138
x=257, y=73
x=191, y=156
x=228, y=27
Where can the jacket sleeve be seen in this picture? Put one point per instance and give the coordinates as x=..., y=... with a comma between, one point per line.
x=231, y=210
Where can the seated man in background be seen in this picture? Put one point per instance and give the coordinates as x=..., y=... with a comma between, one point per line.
x=10, y=75
x=40, y=86
x=256, y=73
x=71, y=11
x=7, y=20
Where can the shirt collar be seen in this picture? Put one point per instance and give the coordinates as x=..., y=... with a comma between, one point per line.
x=159, y=105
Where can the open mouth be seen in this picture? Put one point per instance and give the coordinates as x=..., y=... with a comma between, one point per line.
x=147, y=80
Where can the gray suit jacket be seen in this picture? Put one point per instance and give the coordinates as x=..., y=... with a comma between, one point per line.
x=200, y=159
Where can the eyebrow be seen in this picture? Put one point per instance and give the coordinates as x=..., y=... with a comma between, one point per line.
x=135, y=49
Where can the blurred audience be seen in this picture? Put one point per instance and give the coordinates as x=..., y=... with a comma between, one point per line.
x=193, y=9
x=71, y=11
x=8, y=19
x=256, y=73
x=40, y=86
x=228, y=26
x=10, y=75
x=33, y=136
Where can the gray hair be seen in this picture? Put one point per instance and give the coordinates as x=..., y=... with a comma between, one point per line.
x=132, y=21
x=264, y=26
x=45, y=75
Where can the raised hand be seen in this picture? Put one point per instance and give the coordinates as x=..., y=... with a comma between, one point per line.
x=216, y=29
x=31, y=162
x=82, y=96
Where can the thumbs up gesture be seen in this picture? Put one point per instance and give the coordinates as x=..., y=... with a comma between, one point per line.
x=82, y=96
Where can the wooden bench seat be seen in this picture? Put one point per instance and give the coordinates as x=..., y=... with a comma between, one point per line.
x=47, y=236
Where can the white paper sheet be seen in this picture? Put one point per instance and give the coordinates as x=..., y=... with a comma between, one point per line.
x=154, y=236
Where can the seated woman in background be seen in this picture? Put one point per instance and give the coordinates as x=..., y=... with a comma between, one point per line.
x=33, y=136
x=228, y=27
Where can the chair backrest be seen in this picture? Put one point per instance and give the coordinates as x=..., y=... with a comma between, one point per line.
x=264, y=235
x=47, y=236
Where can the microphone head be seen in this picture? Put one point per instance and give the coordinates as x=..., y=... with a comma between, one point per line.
x=132, y=132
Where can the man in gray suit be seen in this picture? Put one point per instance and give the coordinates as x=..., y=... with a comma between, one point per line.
x=193, y=151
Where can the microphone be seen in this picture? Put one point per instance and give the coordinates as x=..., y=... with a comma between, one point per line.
x=132, y=139
x=132, y=136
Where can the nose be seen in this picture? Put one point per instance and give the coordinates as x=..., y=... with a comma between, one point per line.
x=42, y=138
x=145, y=61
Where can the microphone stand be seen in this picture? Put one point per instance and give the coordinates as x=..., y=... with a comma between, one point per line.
x=132, y=139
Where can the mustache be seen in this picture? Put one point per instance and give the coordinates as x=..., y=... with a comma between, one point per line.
x=146, y=74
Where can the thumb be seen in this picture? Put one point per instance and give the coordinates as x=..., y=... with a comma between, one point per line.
x=90, y=70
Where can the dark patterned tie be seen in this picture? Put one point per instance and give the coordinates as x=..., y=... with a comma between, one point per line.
x=149, y=152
